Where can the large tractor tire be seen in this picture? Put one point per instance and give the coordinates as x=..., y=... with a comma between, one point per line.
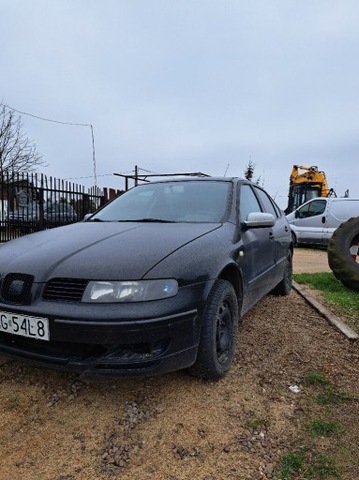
x=343, y=253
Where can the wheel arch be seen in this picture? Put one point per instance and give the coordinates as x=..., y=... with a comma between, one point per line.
x=294, y=238
x=233, y=276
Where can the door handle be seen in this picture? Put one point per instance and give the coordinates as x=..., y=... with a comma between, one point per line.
x=271, y=236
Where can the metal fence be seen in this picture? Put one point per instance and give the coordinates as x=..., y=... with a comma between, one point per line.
x=30, y=202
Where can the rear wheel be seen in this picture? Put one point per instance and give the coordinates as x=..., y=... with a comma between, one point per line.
x=285, y=285
x=218, y=335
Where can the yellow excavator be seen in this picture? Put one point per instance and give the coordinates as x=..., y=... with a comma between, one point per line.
x=311, y=183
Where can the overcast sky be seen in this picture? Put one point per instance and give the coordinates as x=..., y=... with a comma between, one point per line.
x=187, y=85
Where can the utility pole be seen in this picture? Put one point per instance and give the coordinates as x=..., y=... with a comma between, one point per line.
x=136, y=175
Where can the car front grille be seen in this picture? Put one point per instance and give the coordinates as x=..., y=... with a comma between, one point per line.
x=65, y=289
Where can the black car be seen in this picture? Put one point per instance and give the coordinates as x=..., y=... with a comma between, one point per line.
x=153, y=282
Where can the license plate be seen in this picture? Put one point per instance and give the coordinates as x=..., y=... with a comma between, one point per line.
x=25, y=326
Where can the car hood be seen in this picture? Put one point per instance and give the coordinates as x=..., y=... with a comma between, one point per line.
x=98, y=250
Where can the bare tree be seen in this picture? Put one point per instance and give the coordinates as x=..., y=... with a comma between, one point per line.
x=17, y=152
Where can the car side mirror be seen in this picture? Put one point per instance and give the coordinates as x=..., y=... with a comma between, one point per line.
x=259, y=220
x=296, y=214
x=87, y=216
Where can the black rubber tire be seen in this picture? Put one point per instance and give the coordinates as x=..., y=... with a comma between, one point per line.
x=294, y=239
x=340, y=260
x=285, y=285
x=218, y=334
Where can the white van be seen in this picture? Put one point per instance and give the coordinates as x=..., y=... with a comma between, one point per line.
x=315, y=221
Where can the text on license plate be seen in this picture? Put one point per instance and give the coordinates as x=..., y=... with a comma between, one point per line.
x=26, y=326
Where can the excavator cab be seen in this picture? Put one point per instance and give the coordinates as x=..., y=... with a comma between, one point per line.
x=309, y=184
x=301, y=193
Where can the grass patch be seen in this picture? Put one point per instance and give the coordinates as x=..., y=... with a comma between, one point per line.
x=344, y=300
x=308, y=465
x=315, y=378
x=330, y=396
x=318, y=428
x=322, y=467
x=257, y=423
x=290, y=466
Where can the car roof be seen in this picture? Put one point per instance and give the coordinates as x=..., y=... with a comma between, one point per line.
x=336, y=199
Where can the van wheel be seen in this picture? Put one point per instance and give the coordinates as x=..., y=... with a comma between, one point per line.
x=218, y=334
x=343, y=255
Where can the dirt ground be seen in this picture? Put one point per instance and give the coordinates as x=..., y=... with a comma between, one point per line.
x=310, y=260
x=174, y=427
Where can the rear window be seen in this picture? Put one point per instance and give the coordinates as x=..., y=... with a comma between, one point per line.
x=267, y=202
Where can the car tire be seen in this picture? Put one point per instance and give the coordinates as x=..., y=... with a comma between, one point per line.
x=218, y=334
x=294, y=239
x=340, y=257
x=285, y=285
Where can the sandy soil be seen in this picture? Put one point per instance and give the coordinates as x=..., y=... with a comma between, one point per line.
x=310, y=260
x=56, y=427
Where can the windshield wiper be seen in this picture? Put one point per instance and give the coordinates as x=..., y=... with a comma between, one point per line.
x=148, y=220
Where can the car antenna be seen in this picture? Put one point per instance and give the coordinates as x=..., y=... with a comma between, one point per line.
x=225, y=173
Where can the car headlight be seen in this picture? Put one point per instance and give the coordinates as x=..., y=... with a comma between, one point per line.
x=129, y=291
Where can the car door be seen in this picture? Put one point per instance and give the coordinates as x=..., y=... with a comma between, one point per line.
x=309, y=221
x=258, y=249
x=281, y=233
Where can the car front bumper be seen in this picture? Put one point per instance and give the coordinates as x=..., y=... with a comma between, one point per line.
x=95, y=340
x=146, y=347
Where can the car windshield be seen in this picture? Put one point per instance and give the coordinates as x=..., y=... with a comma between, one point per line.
x=188, y=201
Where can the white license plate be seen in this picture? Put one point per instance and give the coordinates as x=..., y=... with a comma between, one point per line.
x=26, y=326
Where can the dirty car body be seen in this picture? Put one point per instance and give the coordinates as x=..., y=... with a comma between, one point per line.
x=153, y=282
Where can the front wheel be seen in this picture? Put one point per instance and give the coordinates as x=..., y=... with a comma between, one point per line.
x=218, y=334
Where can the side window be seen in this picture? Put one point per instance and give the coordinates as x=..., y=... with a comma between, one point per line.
x=317, y=207
x=248, y=202
x=266, y=202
